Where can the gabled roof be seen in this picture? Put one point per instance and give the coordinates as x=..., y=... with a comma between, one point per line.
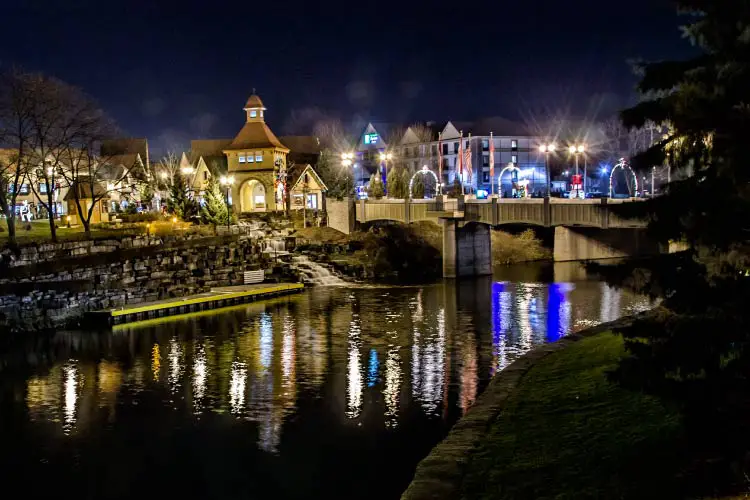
x=254, y=102
x=255, y=135
x=209, y=147
x=125, y=160
x=310, y=171
x=303, y=144
x=124, y=146
x=83, y=187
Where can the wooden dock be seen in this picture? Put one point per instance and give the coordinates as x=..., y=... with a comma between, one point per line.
x=215, y=299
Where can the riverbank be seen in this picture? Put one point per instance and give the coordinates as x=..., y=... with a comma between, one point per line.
x=552, y=425
x=405, y=253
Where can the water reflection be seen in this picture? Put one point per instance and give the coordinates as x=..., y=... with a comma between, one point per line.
x=397, y=363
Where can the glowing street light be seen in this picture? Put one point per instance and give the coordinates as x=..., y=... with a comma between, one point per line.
x=347, y=159
x=576, y=150
x=187, y=170
x=547, y=149
x=164, y=175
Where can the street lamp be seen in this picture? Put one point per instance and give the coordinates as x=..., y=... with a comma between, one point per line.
x=347, y=159
x=227, y=181
x=575, y=150
x=547, y=149
x=385, y=158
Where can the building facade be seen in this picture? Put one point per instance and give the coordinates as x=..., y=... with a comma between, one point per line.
x=438, y=147
x=256, y=159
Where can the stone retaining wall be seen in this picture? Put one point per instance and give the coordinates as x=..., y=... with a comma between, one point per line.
x=51, y=297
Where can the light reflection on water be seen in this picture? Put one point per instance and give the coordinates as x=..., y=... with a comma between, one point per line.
x=379, y=374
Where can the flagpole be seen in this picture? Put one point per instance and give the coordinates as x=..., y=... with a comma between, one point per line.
x=492, y=165
x=461, y=162
x=440, y=162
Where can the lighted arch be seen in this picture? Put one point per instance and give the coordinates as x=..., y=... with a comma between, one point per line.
x=510, y=167
x=623, y=165
x=424, y=171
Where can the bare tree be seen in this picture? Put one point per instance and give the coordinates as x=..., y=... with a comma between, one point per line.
x=16, y=104
x=618, y=141
x=168, y=168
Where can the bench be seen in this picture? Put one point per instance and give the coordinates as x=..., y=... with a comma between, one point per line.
x=251, y=277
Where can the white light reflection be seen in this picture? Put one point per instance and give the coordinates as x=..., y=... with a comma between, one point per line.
x=524, y=304
x=266, y=340
x=175, y=364
x=237, y=387
x=72, y=391
x=610, y=298
x=200, y=375
x=392, y=386
x=354, y=370
x=428, y=365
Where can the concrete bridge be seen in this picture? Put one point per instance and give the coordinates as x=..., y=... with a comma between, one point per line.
x=584, y=229
x=546, y=212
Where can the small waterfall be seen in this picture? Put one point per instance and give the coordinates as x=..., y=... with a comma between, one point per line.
x=274, y=246
x=314, y=273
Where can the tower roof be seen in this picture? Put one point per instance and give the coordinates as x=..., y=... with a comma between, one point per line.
x=254, y=102
x=255, y=135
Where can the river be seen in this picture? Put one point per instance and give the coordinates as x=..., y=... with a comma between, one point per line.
x=335, y=392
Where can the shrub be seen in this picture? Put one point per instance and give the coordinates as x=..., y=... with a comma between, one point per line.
x=141, y=217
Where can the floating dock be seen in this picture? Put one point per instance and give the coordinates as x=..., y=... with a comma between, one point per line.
x=215, y=299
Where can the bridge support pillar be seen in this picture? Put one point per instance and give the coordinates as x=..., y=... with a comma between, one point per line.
x=467, y=249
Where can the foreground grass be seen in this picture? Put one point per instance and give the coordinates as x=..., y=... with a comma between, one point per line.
x=567, y=432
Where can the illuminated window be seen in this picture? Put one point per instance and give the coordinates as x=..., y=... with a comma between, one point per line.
x=514, y=158
x=485, y=145
x=250, y=158
x=258, y=156
x=485, y=177
x=312, y=201
x=42, y=188
x=485, y=160
x=253, y=113
x=514, y=144
x=242, y=158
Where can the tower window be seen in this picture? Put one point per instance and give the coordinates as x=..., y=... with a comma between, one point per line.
x=250, y=158
x=242, y=158
x=258, y=156
x=513, y=143
x=253, y=113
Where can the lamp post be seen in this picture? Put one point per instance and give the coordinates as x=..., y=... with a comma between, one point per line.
x=385, y=158
x=547, y=149
x=575, y=150
x=347, y=159
x=227, y=181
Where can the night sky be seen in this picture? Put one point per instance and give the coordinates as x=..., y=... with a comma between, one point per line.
x=182, y=70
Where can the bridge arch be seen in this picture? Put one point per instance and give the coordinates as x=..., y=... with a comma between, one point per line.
x=424, y=171
x=623, y=164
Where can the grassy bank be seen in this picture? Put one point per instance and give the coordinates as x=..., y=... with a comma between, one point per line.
x=567, y=432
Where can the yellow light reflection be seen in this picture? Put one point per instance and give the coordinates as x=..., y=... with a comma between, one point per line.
x=155, y=362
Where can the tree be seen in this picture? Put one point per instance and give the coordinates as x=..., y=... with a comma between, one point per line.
x=395, y=182
x=337, y=177
x=696, y=350
x=16, y=108
x=214, y=210
x=417, y=191
x=375, y=188
x=179, y=202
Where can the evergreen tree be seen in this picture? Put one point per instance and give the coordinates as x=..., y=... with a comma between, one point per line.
x=375, y=188
x=337, y=177
x=214, y=210
x=697, y=348
x=417, y=191
x=396, y=186
x=180, y=203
